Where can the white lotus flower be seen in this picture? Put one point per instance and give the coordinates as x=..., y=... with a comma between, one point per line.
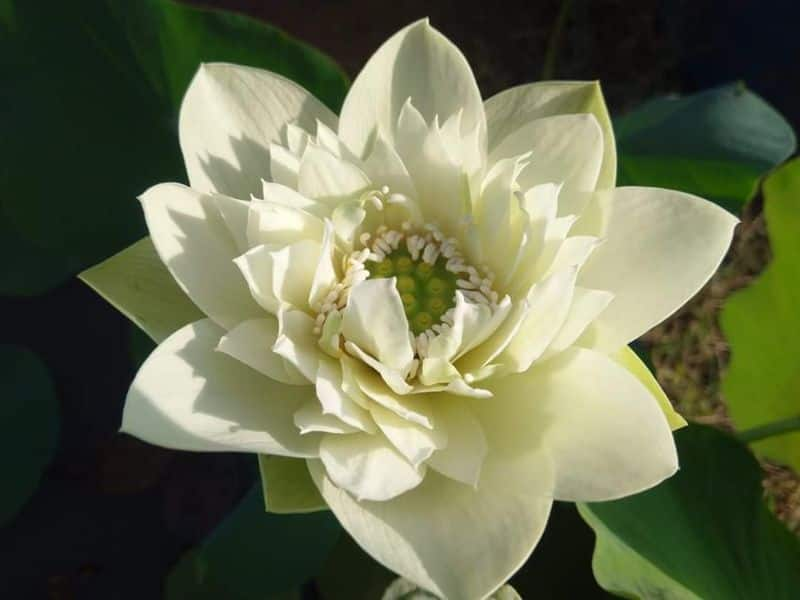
x=426, y=301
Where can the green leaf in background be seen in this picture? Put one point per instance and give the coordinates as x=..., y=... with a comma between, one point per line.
x=762, y=326
x=28, y=425
x=703, y=534
x=715, y=144
x=89, y=119
x=254, y=554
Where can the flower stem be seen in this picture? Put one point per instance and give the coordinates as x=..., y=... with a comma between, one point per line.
x=762, y=432
x=554, y=44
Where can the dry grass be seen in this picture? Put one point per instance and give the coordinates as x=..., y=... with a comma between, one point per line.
x=690, y=354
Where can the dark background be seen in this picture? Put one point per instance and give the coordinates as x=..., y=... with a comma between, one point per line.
x=112, y=514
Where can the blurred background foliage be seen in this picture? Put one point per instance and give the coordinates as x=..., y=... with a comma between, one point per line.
x=705, y=98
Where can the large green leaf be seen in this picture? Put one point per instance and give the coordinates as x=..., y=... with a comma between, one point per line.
x=254, y=554
x=715, y=144
x=28, y=425
x=762, y=326
x=89, y=113
x=703, y=534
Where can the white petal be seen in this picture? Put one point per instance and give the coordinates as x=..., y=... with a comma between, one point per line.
x=327, y=139
x=465, y=147
x=367, y=467
x=230, y=115
x=280, y=194
x=279, y=225
x=335, y=401
x=499, y=218
x=296, y=139
x=328, y=178
x=442, y=184
x=479, y=323
x=539, y=256
x=284, y=167
x=419, y=63
x=374, y=320
x=437, y=534
x=309, y=418
x=234, y=213
x=573, y=252
x=194, y=242
x=296, y=341
x=660, y=248
x=540, y=204
x=467, y=318
x=385, y=167
x=603, y=429
x=511, y=109
x=586, y=306
x=414, y=408
x=394, y=378
x=190, y=397
x=437, y=370
x=414, y=442
x=325, y=276
x=250, y=342
x=466, y=448
x=565, y=149
x=549, y=303
x=506, y=323
x=278, y=275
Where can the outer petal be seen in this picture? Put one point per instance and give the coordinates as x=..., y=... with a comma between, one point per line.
x=628, y=359
x=367, y=466
x=419, y=63
x=137, y=283
x=603, y=429
x=564, y=149
x=287, y=485
x=660, y=248
x=190, y=397
x=511, y=109
x=194, y=242
x=414, y=442
x=230, y=115
x=437, y=534
x=462, y=458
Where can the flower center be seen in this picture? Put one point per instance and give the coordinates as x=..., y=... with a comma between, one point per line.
x=428, y=269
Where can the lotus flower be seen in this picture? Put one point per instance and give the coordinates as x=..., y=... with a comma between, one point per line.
x=424, y=304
